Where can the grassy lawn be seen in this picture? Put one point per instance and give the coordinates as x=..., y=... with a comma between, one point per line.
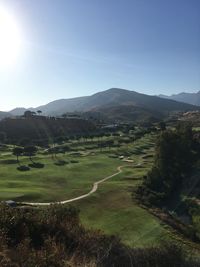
x=53, y=183
x=112, y=208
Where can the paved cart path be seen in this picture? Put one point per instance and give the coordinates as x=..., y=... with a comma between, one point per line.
x=93, y=190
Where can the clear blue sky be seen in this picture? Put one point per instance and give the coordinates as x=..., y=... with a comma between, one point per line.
x=78, y=47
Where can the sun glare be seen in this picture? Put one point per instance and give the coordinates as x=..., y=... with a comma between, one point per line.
x=9, y=39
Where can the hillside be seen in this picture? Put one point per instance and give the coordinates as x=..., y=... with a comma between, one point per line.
x=190, y=98
x=40, y=127
x=192, y=117
x=4, y=115
x=128, y=113
x=18, y=111
x=55, y=237
x=115, y=103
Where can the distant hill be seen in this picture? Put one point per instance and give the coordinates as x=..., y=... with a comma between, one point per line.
x=190, y=98
x=18, y=111
x=115, y=103
x=191, y=116
x=127, y=113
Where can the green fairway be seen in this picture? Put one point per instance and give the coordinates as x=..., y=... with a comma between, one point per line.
x=112, y=208
x=54, y=183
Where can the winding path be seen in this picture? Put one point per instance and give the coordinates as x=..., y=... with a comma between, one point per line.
x=94, y=189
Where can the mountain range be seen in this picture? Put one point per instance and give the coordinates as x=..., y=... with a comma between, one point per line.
x=113, y=103
x=189, y=98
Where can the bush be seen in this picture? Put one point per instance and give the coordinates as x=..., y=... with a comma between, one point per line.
x=54, y=237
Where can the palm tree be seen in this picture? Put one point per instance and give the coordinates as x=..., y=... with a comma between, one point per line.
x=39, y=112
x=17, y=151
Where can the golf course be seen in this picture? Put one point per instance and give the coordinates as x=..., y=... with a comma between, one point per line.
x=70, y=177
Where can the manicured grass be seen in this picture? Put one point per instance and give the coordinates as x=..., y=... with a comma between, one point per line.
x=112, y=208
x=53, y=183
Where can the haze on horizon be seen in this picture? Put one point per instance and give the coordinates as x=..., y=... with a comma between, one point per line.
x=74, y=48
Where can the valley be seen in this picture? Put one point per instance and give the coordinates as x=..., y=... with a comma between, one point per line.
x=112, y=201
x=113, y=207
x=99, y=133
x=100, y=170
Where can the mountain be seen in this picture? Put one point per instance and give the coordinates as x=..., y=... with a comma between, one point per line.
x=115, y=103
x=18, y=111
x=127, y=113
x=190, y=98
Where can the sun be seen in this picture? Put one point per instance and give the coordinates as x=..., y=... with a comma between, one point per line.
x=10, y=40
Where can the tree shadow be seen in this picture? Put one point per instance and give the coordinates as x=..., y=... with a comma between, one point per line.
x=9, y=161
x=61, y=163
x=37, y=165
x=23, y=168
x=74, y=161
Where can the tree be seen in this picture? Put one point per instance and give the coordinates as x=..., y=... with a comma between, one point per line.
x=162, y=125
x=30, y=151
x=29, y=113
x=64, y=116
x=173, y=161
x=25, y=142
x=18, y=151
x=2, y=137
x=110, y=143
x=39, y=112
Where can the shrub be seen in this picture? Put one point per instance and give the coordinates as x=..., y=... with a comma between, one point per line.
x=54, y=237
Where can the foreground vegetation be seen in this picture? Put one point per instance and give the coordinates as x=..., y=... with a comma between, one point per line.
x=172, y=183
x=54, y=237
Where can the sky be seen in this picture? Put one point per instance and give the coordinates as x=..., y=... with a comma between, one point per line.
x=73, y=48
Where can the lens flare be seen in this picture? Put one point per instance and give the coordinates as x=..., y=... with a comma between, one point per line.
x=10, y=40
